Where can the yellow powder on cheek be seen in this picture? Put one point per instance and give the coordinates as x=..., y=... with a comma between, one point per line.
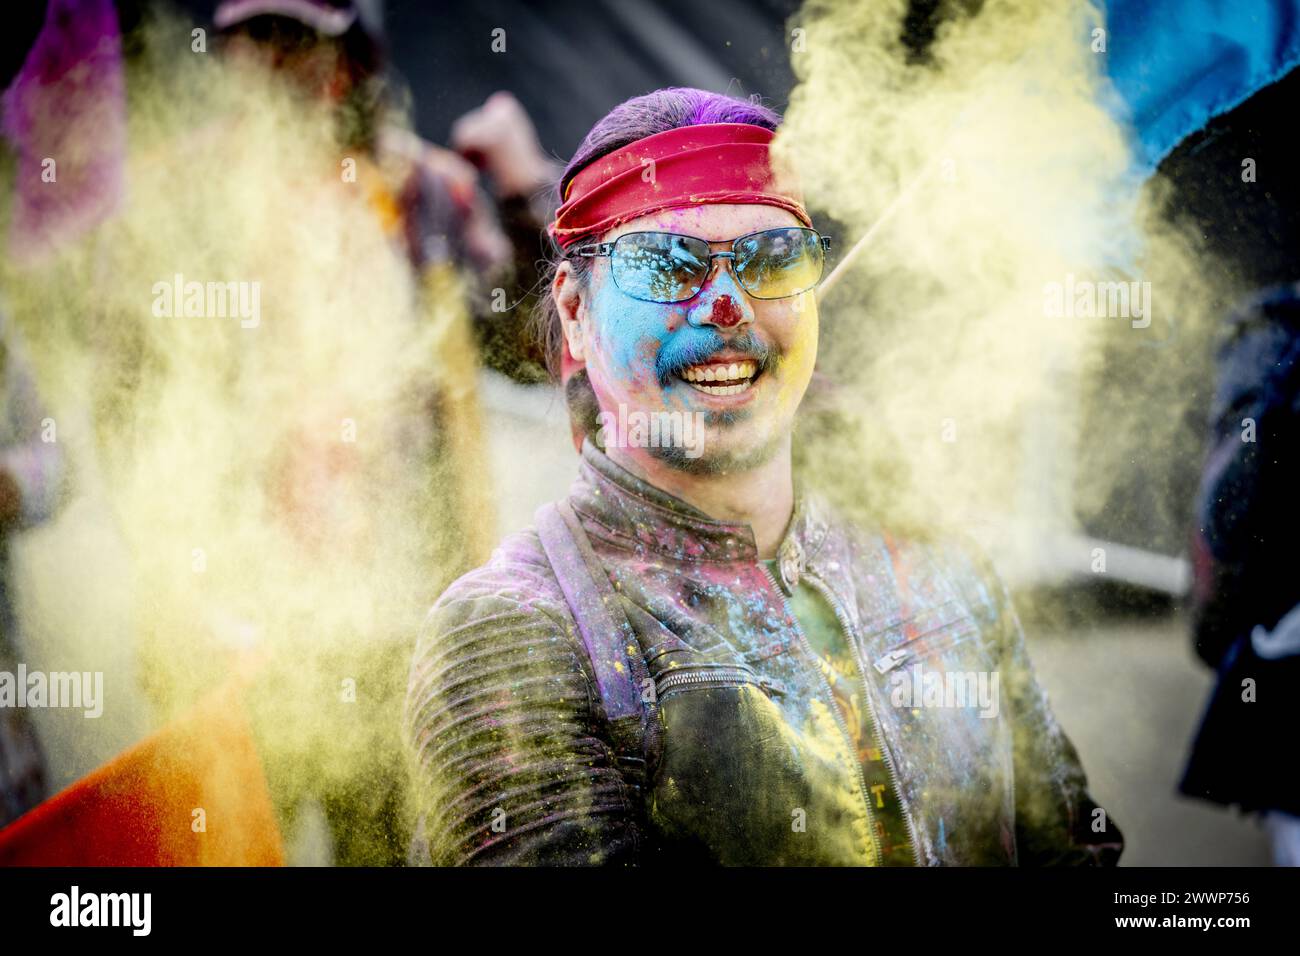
x=800, y=353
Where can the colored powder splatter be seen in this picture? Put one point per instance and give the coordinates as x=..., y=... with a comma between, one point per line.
x=969, y=390
x=249, y=491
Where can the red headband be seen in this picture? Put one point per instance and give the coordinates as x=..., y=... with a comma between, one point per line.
x=712, y=163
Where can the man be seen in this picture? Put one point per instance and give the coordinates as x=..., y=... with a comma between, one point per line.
x=690, y=659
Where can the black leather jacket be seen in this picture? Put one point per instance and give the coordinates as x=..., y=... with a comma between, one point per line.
x=749, y=761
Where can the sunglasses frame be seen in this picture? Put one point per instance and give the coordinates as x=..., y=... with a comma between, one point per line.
x=606, y=250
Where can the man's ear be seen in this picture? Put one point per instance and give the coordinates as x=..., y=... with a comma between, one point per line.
x=566, y=290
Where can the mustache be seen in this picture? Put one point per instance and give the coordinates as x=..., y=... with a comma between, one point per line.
x=694, y=346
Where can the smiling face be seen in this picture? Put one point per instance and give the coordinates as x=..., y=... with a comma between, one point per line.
x=738, y=364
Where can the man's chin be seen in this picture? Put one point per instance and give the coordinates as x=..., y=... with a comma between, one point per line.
x=719, y=458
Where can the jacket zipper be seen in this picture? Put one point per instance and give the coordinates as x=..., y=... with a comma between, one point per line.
x=835, y=712
x=721, y=674
x=906, y=651
x=831, y=599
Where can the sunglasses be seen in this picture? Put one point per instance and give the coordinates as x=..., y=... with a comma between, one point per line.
x=665, y=267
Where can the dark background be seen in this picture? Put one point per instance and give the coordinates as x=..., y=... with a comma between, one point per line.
x=570, y=61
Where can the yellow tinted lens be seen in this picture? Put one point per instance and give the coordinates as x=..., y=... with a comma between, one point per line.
x=779, y=262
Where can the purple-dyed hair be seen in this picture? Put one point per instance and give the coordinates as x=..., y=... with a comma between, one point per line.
x=657, y=112
x=635, y=119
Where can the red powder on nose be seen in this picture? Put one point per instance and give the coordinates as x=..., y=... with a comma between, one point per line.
x=725, y=312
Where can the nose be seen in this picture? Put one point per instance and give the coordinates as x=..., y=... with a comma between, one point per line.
x=721, y=303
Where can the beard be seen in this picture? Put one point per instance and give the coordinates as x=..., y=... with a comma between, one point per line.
x=722, y=461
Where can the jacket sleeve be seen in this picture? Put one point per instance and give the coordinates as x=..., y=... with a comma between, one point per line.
x=511, y=764
x=1057, y=822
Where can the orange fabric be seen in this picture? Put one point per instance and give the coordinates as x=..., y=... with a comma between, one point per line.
x=137, y=809
x=386, y=208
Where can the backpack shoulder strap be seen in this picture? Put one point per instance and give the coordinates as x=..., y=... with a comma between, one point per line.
x=606, y=633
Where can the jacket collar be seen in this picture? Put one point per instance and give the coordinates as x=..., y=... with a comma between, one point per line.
x=640, y=517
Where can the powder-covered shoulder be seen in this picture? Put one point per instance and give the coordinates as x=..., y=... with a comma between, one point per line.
x=517, y=577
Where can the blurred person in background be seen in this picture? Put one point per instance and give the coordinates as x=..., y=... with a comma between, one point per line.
x=500, y=139
x=32, y=462
x=1246, y=594
x=427, y=198
x=429, y=202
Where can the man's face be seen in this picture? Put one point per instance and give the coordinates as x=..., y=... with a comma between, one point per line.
x=646, y=357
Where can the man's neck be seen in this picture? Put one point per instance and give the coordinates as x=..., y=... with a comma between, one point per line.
x=761, y=497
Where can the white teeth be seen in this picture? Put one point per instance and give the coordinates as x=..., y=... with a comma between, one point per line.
x=736, y=371
x=722, y=389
